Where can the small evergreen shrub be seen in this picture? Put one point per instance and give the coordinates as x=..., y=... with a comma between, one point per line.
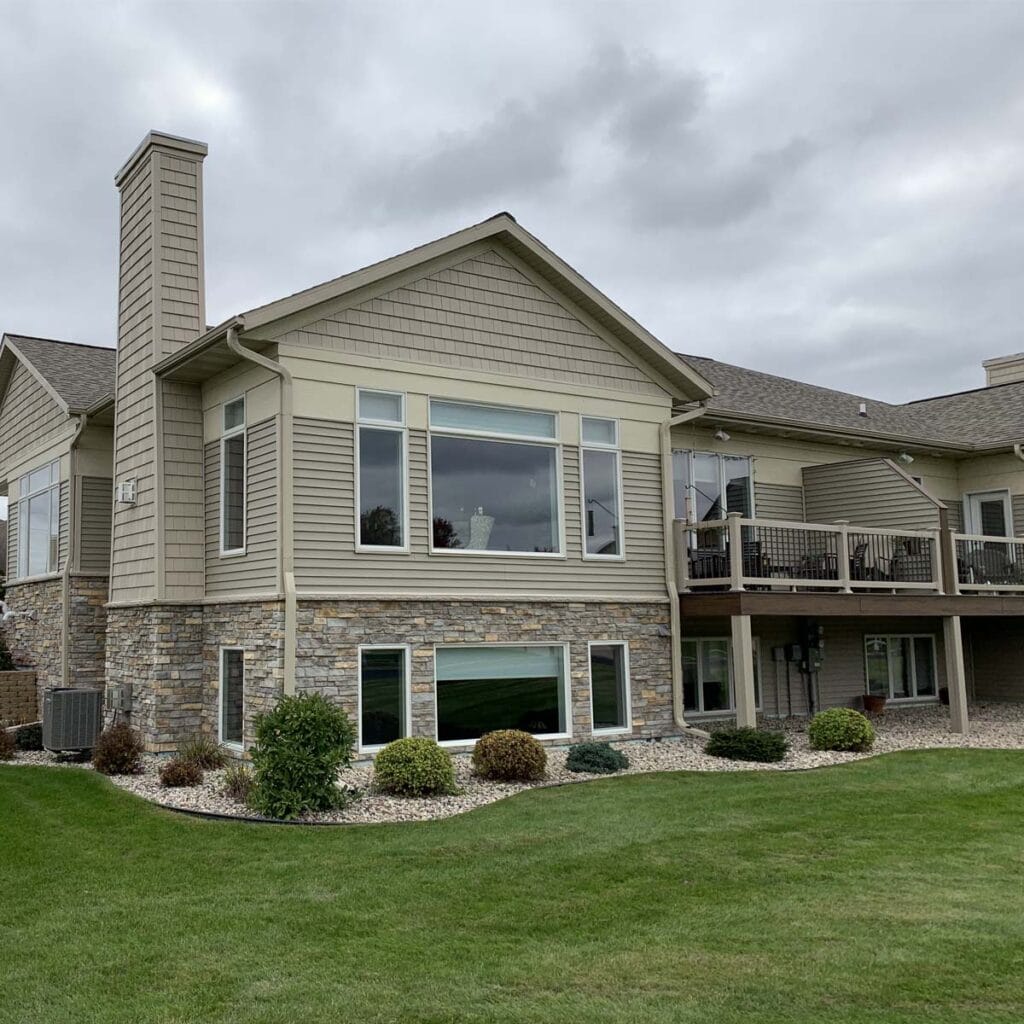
x=415, y=766
x=118, y=751
x=29, y=737
x=179, y=772
x=300, y=747
x=748, y=744
x=238, y=783
x=7, y=745
x=840, y=729
x=204, y=751
x=509, y=755
x=597, y=758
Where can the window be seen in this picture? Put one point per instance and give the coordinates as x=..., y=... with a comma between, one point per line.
x=707, y=486
x=381, y=472
x=383, y=695
x=609, y=687
x=488, y=494
x=708, y=675
x=480, y=689
x=602, y=492
x=232, y=479
x=39, y=521
x=232, y=687
x=900, y=667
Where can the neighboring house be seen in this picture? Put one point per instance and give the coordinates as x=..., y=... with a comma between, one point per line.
x=461, y=490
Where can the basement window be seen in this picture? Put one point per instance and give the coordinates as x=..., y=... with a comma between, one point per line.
x=900, y=667
x=39, y=522
x=609, y=687
x=232, y=689
x=232, y=479
x=383, y=695
x=708, y=686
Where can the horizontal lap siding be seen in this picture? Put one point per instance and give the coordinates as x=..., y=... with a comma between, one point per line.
x=479, y=314
x=869, y=493
x=94, y=528
x=778, y=501
x=28, y=417
x=256, y=570
x=64, y=519
x=325, y=531
x=12, y=540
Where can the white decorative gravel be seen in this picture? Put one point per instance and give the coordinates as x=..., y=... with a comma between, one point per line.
x=993, y=726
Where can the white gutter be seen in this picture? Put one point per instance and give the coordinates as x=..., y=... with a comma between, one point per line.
x=671, y=583
x=285, y=502
x=65, y=576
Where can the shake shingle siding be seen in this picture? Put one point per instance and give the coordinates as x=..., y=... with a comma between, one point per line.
x=28, y=418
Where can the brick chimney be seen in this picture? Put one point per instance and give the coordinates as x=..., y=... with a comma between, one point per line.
x=161, y=307
x=1004, y=369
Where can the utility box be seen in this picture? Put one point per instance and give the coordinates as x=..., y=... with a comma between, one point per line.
x=72, y=718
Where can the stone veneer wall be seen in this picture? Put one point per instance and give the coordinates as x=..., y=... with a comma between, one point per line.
x=18, y=701
x=88, y=634
x=34, y=638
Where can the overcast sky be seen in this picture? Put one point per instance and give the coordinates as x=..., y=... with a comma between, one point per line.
x=830, y=191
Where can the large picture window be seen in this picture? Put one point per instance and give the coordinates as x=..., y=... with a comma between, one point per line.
x=609, y=687
x=708, y=676
x=480, y=689
x=232, y=689
x=490, y=494
x=602, y=497
x=381, y=476
x=232, y=479
x=707, y=486
x=900, y=667
x=383, y=695
x=39, y=521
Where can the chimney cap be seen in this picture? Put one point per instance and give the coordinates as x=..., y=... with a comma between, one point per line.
x=163, y=141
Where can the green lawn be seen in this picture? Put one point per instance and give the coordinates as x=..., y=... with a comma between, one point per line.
x=890, y=890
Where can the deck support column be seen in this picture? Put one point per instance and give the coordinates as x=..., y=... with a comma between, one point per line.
x=743, y=671
x=956, y=677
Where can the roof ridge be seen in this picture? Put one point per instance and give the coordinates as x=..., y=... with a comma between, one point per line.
x=966, y=391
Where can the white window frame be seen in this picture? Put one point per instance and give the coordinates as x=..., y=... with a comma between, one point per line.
x=618, y=730
x=21, y=566
x=407, y=704
x=226, y=435
x=689, y=500
x=548, y=442
x=396, y=427
x=494, y=434
x=973, y=528
x=915, y=698
x=731, y=709
x=232, y=744
x=620, y=510
x=566, y=690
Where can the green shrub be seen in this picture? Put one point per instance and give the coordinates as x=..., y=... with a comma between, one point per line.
x=300, y=747
x=597, y=758
x=7, y=745
x=179, y=772
x=118, y=751
x=238, y=783
x=29, y=737
x=414, y=767
x=509, y=755
x=203, y=751
x=840, y=729
x=747, y=745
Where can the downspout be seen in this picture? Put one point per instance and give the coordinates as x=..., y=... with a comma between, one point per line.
x=285, y=503
x=65, y=576
x=671, y=583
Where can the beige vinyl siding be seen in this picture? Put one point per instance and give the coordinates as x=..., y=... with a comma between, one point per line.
x=95, y=509
x=481, y=314
x=778, y=501
x=29, y=416
x=992, y=658
x=12, y=540
x=325, y=531
x=1017, y=503
x=871, y=492
x=64, y=520
x=184, y=497
x=955, y=512
x=256, y=570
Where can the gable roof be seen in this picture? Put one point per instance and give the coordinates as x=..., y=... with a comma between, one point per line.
x=77, y=376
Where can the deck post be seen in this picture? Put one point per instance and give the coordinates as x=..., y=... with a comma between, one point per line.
x=956, y=677
x=947, y=545
x=681, y=543
x=743, y=671
x=734, y=533
x=843, y=555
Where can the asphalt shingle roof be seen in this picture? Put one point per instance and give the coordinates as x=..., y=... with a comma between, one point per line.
x=81, y=374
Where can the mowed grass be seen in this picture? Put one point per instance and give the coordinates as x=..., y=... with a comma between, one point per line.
x=890, y=890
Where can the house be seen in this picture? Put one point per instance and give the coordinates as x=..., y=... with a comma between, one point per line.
x=461, y=490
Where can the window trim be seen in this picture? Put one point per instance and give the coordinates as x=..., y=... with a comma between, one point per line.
x=721, y=457
x=566, y=689
x=492, y=434
x=620, y=509
x=916, y=698
x=619, y=730
x=730, y=711
x=396, y=427
x=972, y=528
x=225, y=436
x=232, y=744
x=467, y=553
x=373, y=748
x=23, y=536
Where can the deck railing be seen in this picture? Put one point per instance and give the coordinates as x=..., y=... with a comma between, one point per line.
x=988, y=564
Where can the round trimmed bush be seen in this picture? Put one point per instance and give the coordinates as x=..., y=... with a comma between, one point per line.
x=596, y=758
x=840, y=729
x=748, y=744
x=179, y=772
x=415, y=766
x=301, y=745
x=118, y=751
x=509, y=755
x=7, y=745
